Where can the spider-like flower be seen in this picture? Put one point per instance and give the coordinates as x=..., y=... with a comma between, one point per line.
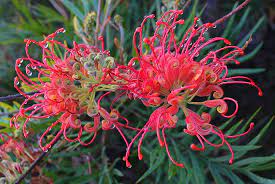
x=66, y=82
x=169, y=75
x=16, y=158
x=8, y=167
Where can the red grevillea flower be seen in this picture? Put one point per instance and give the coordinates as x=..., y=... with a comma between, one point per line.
x=24, y=156
x=66, y=87
x=16, y=158
x=169, y=75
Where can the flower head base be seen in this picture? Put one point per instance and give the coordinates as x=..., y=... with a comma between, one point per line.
x=66, y=87
x=169, y=75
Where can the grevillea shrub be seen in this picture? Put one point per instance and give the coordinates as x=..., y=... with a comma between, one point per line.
x=167, y=75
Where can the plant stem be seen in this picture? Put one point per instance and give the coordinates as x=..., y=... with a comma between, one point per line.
x=8, y=113
x=241, y=6
x=11, y=97
x=97, y=21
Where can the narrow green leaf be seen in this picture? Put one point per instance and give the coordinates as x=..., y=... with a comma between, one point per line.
x=215, y=173
x=72, y=8
x=242, y=148
x=159, y=159
x=50, y=13
x=86, y=6
x=21, y=7
x=179, y=154
x=189, y=20
x=250, y=119
x=234, y=127
x=242, y=21
x=253, y=30
x=251, y=54
x=228, y=27
x=261, y=133
x=258, y=179
x=231, y=175
x=263, y=167
x=254, y=160
x=226, y=123
x=245, y=71
x=117, y=172
x=239, y=152
x=198, y=175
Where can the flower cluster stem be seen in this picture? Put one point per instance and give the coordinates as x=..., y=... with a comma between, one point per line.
x=12, y=97
x=241, y=6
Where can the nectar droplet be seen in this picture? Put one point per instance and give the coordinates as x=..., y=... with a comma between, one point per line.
x=29, y=73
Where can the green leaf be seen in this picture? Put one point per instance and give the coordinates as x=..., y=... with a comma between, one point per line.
x=242, y=21
x=239, y=152
x=228, y=28
x=189, y=20
x=249, y=120
x=48, y=14
x=229, y=25
x=159, y=159
x=231, y=175
x=117, y=172
x=262, y=132
x=6, y=106
x=215, y=173
x=251, y=143
x=242, y=148
x=245, y=71
x=253, y=30
x=261, y=167
x=258, y=179
x=254, y=160
x=226, y=123
x=86, y=6
x=251, y=54
x=197, y=170
x=73, y=9
x=21, y=7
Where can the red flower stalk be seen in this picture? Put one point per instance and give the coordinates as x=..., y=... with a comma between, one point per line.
x=169, y=75
x=66, y=86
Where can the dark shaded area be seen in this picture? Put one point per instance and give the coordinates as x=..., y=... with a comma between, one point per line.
x=247, y=96
x=265, y=58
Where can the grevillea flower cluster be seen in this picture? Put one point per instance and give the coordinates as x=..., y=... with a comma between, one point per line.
x=66, y=86
x=170, y=77
x=169, y=73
